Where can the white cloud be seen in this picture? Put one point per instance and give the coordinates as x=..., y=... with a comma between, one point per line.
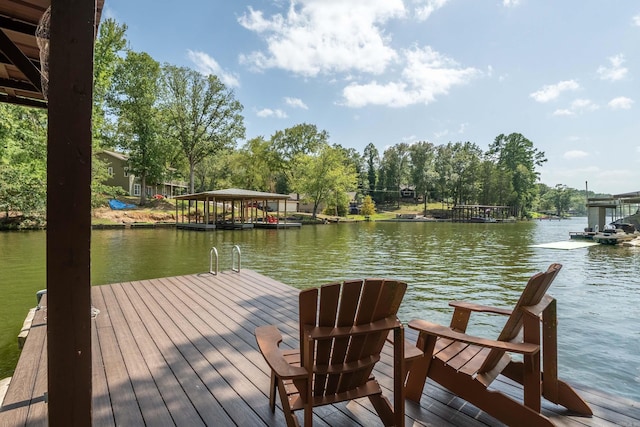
x=510, y=3
x=426, y=74
x=205, y=64
x=295, y=103
x=583, y=105
x=620, y=103
x=551, y=92
x=268, y=112
x=324, y=36
x=578, y=106
x=636, y=20
x=427, y=7
x=563, y=112
x=575, y=154
x=616, y=71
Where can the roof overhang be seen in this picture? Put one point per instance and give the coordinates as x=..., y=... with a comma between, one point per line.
x=20, y=76
x=233, y=194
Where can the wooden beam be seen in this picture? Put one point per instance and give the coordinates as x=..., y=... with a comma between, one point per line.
x=17, y=26
x=69, y=212
x=5, y=60
x=17, y=58
x=17, y=84
x=28, y=102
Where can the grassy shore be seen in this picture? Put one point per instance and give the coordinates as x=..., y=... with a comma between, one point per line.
x=164, y=211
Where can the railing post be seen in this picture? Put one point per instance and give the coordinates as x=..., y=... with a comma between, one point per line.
x=213, y=252
x=234, y=250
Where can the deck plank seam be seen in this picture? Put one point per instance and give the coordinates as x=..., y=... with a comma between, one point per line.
x=180, y=343
x=203, y=332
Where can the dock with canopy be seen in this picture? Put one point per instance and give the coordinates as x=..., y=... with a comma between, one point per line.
x=232, y=208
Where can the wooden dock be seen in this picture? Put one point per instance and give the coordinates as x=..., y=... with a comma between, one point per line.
x=181, y=351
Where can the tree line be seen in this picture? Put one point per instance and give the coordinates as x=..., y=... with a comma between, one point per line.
x=170, y=118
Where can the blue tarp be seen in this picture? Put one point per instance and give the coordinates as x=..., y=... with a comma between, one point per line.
x=118, y=205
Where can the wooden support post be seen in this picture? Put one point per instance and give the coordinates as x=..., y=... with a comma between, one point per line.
x=69, y=212
x=398, y=376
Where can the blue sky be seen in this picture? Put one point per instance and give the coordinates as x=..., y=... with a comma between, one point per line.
x=562, y=73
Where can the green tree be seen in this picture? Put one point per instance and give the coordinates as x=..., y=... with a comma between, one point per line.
x=423, y=172
x=108, y=54
x=444, y=172
x=544, y=200
x=562, y=198
x=202, y=115
x=109, y=51
x=134, y=102
x=465, y=163
x=215, y=171
x=496, y=186
x=372, y=159
x=23, y=158
x=323, y=176
x=368, y=206
x=288, y=145
x=355, y=159
x=337, y=204
x=251, y=166
x=395, y=163
x=515, y=154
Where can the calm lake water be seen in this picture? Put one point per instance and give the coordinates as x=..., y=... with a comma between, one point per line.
x=598, y=290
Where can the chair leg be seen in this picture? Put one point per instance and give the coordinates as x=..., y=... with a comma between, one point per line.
x=272, y=392
x=383, y=407
x=563, y=394
x=419, y=368
x=289, y=416
x=568, y=398
x=493, y=402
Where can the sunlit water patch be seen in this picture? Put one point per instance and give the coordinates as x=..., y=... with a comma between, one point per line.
x=597, y=289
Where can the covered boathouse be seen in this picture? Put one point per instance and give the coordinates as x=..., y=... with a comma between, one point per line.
x=481, y=213
x=232, y=208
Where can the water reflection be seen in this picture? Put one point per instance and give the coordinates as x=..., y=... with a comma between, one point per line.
x=597, y=290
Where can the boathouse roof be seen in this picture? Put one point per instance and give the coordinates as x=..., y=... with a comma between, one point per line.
x=234, y=194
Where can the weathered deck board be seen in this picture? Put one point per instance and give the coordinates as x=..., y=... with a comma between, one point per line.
x=181, y=351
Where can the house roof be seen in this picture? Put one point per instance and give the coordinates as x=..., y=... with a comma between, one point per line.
x=20, y=76
x=633, y=197
x=115, y=154
x=615, y=200
x=233, y=194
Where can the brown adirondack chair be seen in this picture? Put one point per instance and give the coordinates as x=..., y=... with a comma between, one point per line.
x=467, y=365
x=343, y=327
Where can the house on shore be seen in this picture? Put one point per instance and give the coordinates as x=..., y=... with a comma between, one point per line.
x=119, y=176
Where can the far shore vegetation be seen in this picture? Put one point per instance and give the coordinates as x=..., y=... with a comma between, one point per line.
x=168, y=118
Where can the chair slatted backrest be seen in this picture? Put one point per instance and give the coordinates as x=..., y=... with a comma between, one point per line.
x=351, y=303
x=532, y=294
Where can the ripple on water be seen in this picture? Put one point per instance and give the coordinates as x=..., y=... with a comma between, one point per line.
x=597, y=289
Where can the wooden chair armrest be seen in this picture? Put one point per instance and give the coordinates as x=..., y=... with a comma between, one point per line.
x=480, y=308
x=326, y=332
x=268, y=338
x=411, y=352
x=536, y=310
x=444, y=332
